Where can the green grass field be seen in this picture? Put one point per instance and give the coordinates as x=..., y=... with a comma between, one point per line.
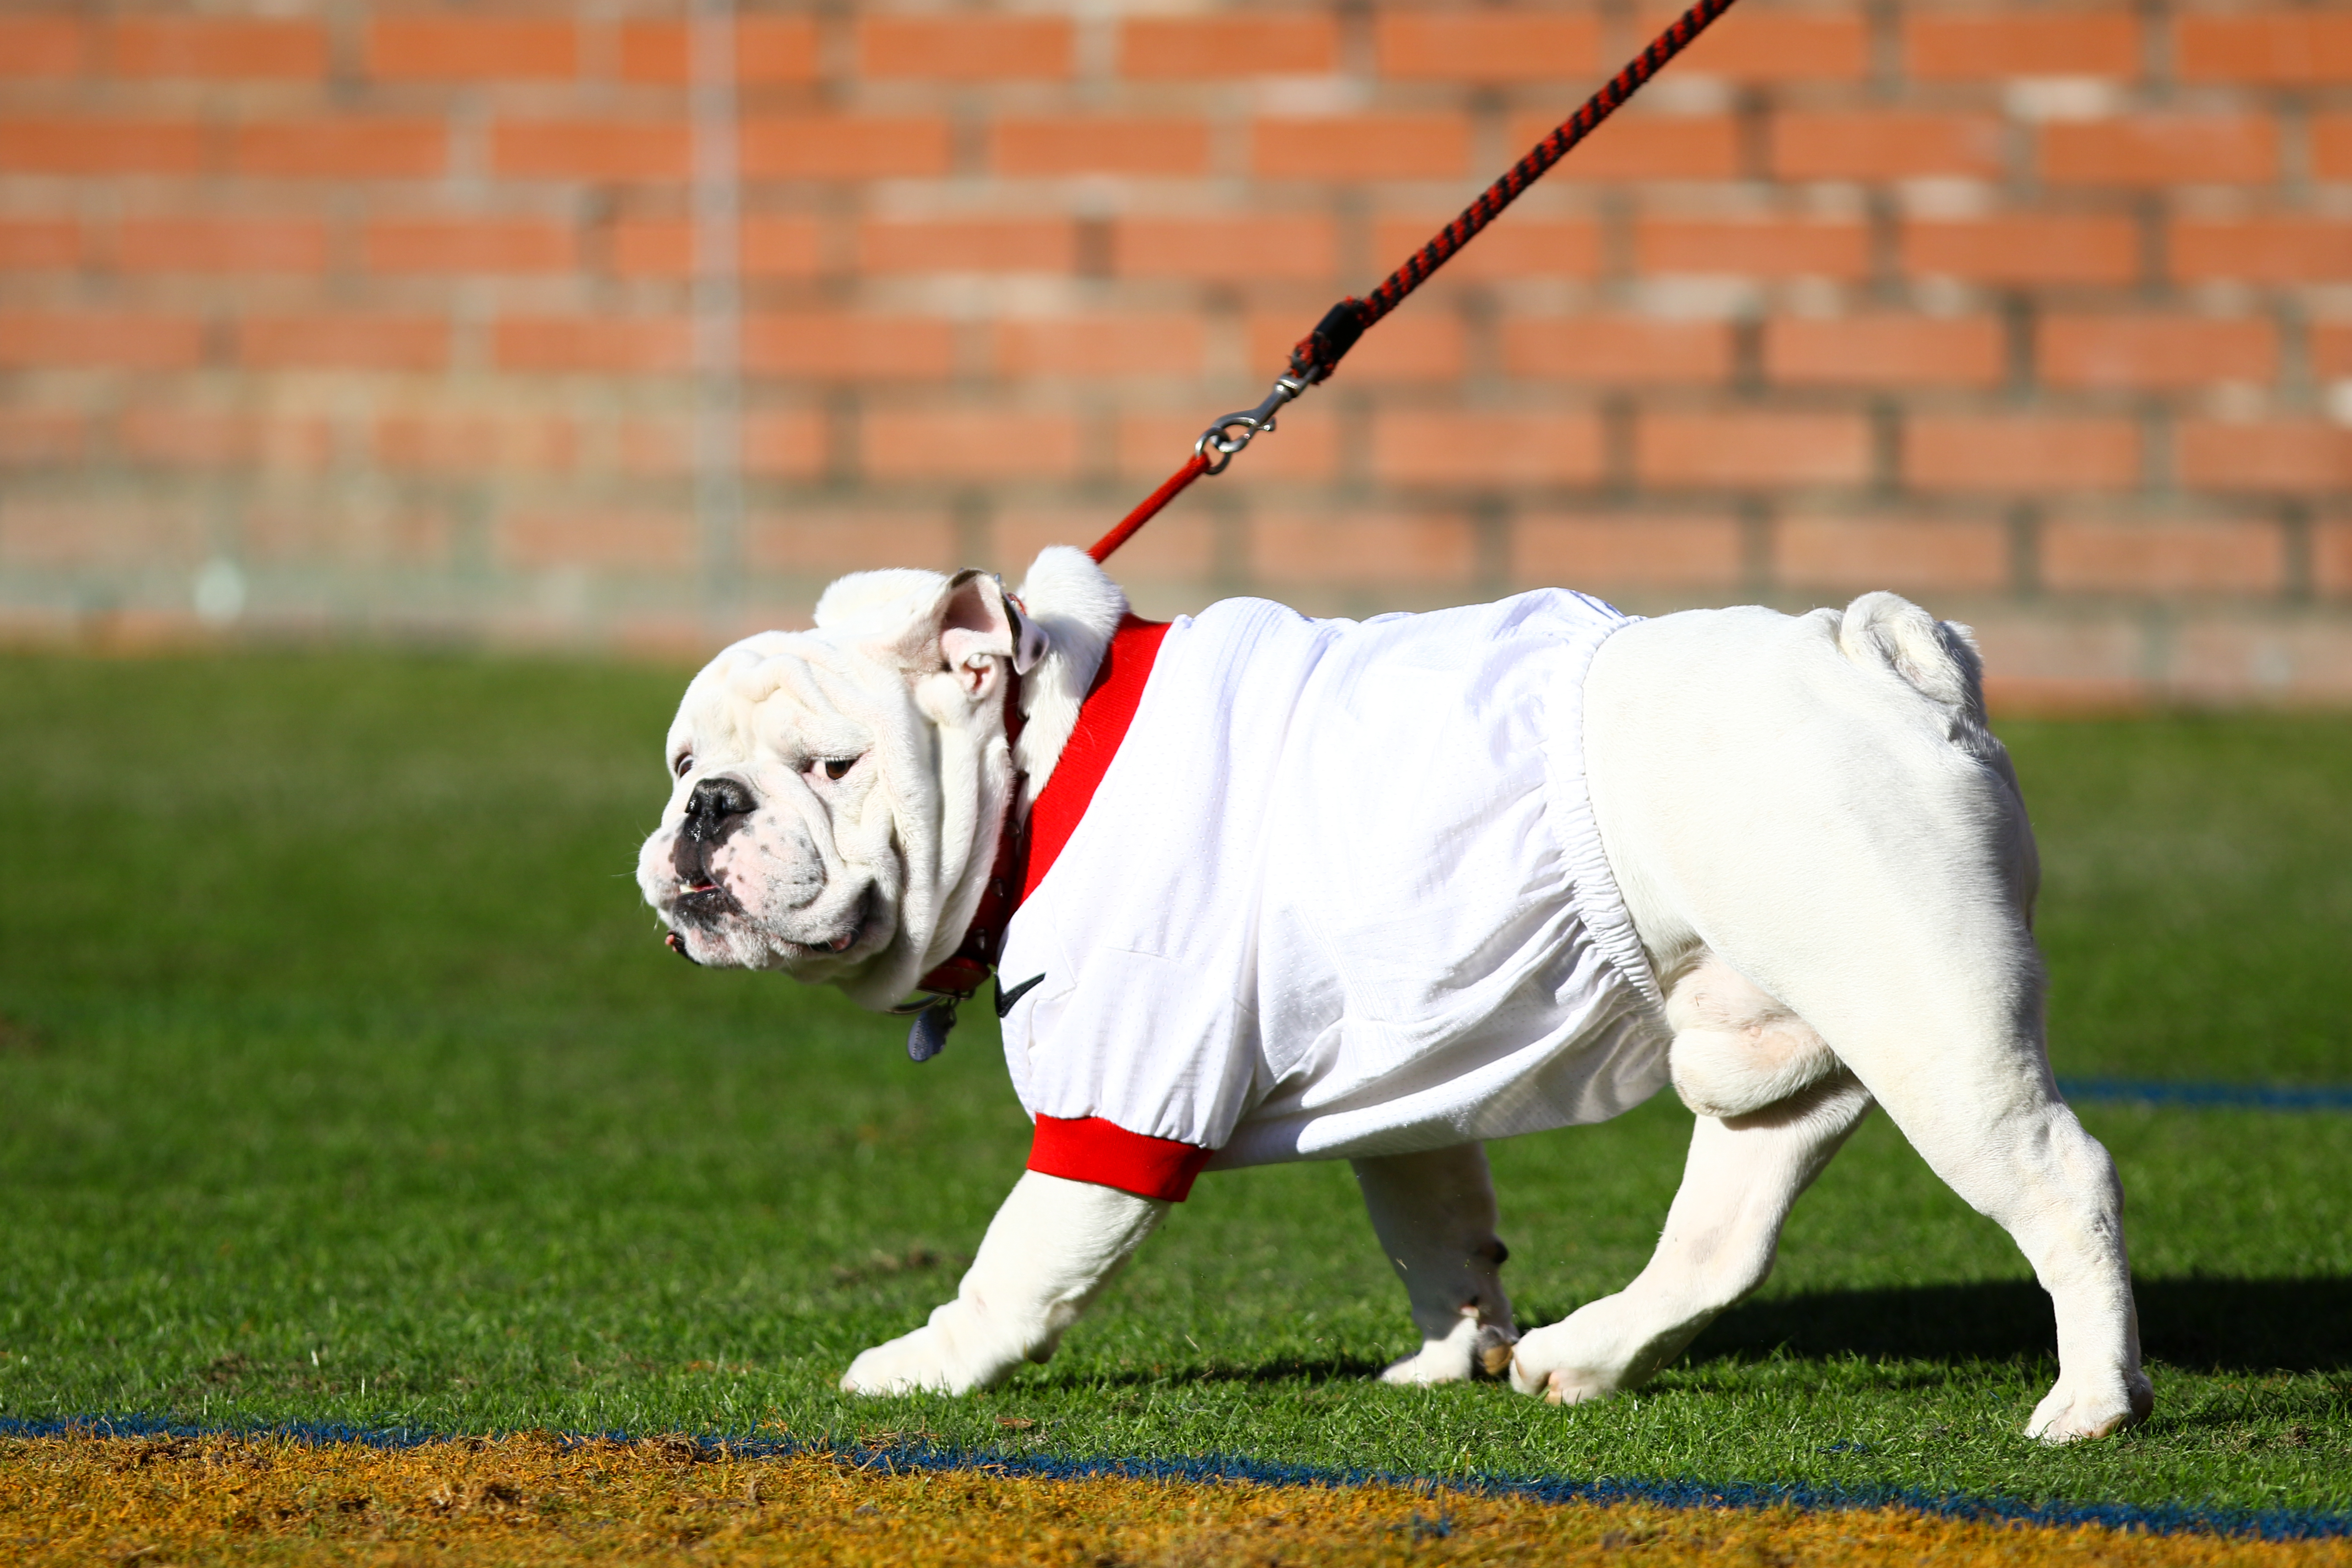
x=343, y=1080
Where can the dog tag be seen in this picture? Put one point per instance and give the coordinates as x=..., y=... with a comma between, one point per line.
x=928, y=1037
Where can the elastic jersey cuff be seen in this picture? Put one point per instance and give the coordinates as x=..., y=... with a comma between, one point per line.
x=1108, y=1155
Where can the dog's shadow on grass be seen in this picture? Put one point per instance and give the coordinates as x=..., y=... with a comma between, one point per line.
x=2201, y=1324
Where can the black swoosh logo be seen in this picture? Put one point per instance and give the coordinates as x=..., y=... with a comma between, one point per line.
x=1005, y=999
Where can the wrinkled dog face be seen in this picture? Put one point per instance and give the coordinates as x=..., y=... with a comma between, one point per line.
x=829, y=786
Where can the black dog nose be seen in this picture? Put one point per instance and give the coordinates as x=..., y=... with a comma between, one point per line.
x=715, y=803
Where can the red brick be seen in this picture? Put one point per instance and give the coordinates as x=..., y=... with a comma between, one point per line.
x=2263, y=250
x=1637, y=146
x=469, y=245
x=54, y=45
x=205, y=438
x=2331, y=558
x=343, y=341
x=2101, y=43
x=1179, y=546
x=591, y=150
x=1099, y=146
x=2100, y=555
x=1269, y=246
x=1517, y=246
x=2309, y=48
x=1748, y=450
x=472, y=48
x=842, y=146
x=783, y=443
x=1486, y=449
x=1776, y=46
x=1216, y=48
x=1414, y=345
x=2024, y=250
x=226, y=47
x=967, y=444
x=964, y=47
x=1121, y=344
x=2331, y=348
x=2263, y=658
x=848, y=347
x=36, y=243
x=221, y=245
x=342, y=148
x=1491, y=47
x=968, y=245
x=1578, y=549
x=1883, y=351
x=769, y=245
x=1304, y=445
x=2021, y=454
x=1362, y=147
x=1617, y=349
x=2286, y=456
x=811, y=543
x=1755, y=247
x=2331, y=146
x=94, y=146
x=2161, y=149
x=1895, y=145
x=1850, y=554
x=467, y=443
x=41, y=339
x=769, y=51
x=2134, y=351
x=614, y=541
x=655, y=345
x=31, y=437
x=1416, y=552
x=138, y=533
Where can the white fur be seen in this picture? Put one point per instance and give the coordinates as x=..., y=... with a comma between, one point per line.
x=1825, y=854
x=1073, y=602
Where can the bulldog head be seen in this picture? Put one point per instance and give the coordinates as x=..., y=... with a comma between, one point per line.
x=837, y=794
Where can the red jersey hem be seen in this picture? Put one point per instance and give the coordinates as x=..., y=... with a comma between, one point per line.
x=1108, y=1155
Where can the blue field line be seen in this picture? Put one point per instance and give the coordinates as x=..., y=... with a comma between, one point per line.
x=2208, y=1095
x=2263, y=1524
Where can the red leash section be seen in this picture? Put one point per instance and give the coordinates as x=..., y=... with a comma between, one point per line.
x=1318, y=354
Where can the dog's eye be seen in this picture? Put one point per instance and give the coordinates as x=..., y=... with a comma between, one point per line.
x=684, y=766
x=838, y=767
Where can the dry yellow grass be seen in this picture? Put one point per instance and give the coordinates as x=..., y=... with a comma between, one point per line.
x=532, y=1501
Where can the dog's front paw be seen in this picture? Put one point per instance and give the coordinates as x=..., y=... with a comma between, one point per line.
x=1471, y=1349
x=919, y=1362
x=2072, y=1411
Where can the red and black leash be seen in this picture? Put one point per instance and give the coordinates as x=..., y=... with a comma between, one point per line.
x=1318, y=354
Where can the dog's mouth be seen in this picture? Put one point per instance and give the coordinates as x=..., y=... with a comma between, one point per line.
x=700, y=899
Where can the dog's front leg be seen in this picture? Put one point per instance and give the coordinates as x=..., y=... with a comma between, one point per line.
x=1434, y=1214
x=1051, y=1248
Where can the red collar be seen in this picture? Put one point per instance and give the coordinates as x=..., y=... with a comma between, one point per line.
x=1026, y=852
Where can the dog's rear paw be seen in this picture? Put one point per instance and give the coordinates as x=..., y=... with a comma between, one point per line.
x=1470, y=1350
x=2070, y=1412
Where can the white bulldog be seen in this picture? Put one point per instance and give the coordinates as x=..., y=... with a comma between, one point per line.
x=1805, y=887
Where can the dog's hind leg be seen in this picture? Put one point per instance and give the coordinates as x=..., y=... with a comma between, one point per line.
x=1816, y=801
x=1434, y=1215
x=1743, y=1176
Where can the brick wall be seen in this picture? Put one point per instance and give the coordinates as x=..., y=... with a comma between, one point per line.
x=628, y=321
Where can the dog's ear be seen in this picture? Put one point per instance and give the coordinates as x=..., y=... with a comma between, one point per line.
x=973, y=631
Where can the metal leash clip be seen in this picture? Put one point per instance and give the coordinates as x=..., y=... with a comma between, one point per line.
x=1250, y=422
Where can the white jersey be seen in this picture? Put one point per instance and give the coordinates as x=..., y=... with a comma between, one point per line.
x=1339, y=893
